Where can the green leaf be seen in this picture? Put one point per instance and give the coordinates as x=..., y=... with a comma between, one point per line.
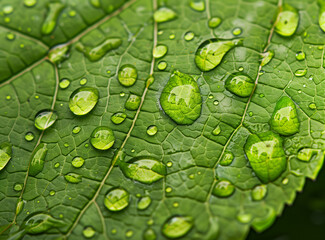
x=168, y=149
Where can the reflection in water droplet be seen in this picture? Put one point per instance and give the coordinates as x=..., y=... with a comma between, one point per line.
x=144, y=203
x=64, y=83
x=88, y=232
x=102, y=138
x=177, y=226
x=118, y=118
x=197, y=5
x=162, y=65
x=45, y=119
x=287, y=21
x=83, y=100
x=189, y=36
x=223, y=188
x=77, y=162
x=159, y=51
x=149, y=234
x=152, y=130
x=214, y=22
x=300, y=72
x=127, y=75
x=227, y=159
x=116, y=199
x=76, y=129
x=133, y=102
x=216, y=131
x=49, y=24
x=73, y=178
x=164, y=14
x=259, y=192
x=240, y=84
x=37, y=159
x=300, y=55
x=236, y=31
x=29, y=136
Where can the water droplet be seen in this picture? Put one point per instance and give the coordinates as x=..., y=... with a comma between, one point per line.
x=37, y=159
x=144, y=203
x=267, y=57
x=20, y=206
x=216, y=131
x=77, y=162
x=300, y=55
x=18, y=187
x=30, y=3
x=285, y=181
x=83, y=81
x=244, y=217
x=164, y=14
x=152, y=130
x=133, y=102
x=250, y=113
x=300, y=72
x=223, y=188
x=287, y=20
x=312, y=106
x=127, y=75
x=52, y=193
x=97, y=52
x=236, y=31
x=162, y=65
x=40, y=223
x=216, y=102
x=114, y=231
x=259, y=192
x=197, y=5
x=160, y=32
x=118, y=118
x=321, y=16
x=210, y=52
x=150, y=222
x=8, y=97
x=181, y=99
x=29, y=136
x=64, y=83
x=10, y=36
x=88, y=232
x=227, y=159
x=45, y=119
x=57, y=165
x=132, y=151
x=214, y=22
x=143, y=169
x=177, y=226
x=129, y=233
x=306, y=154
x=172, y=36
x=149, y=234
x=49, y=24
x=122, y=94
x=102, y=138
x=116, y=199
x=76, y=129
x=284, y=119
x=73, y=177
x=189, y=36
x=8, y=9
x=266, y=155
x=261, y=95
x=59, y=53
x=169, y=164
x=240, y=84
x=240, y=69
x=159, y=51
x=175, y=204
x=83, y=100
x=72, y=13
x=95, y=3
x=150, y=80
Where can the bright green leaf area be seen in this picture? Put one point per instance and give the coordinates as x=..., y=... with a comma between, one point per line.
x=69, y=201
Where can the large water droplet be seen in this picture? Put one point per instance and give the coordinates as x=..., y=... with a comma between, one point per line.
x=223, y=188
x=117, y=199
x=214, y=22
x=300, y=55
x=210, y=52
x=5, y=154
x=97, y=52
x=77, y=162
x=159, y=51
x=259, y=192
x=164, y=14
x=8, y=9
x=267, y=57
x=73, y=178
x=118, y=118
x=30, y=3
x=266, y=155
x=45, y=119
x=240, y=84
x=54, y=10
x=177, y=226
x=287, y=21
x=102, y=138
x=88, y=232
x=59, y=54
x=40, y=223
x=181, y=99
x=306, y=154
x=321, y=15
x=197, y=5
x=144, y=203
x=127, y=75
x=143, y=169
x=227, y=159
x=284, y=119
x=300, y=72
x=83, y=100
x=152, y=130
x=37, y=159
x=149, y=234
x=133, y=102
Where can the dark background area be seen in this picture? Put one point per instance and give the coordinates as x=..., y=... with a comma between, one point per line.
x=304, y=220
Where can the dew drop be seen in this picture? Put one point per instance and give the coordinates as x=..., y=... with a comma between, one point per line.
x=164, y=14
x=129, y=233
x=216, y=131
x=227, y=159
x=152, y=130
x=117, y=199
x=72, y=13
x=321, y=16
x=18, y=187
x=214, y=22
x=244, y=217
x=45, y=119
x=189, y=36
x=285, y=181
x=215, y=102
x=287, y=21
x=223, y=188
x=30, y=3
x=172, y=36
x=52, y=193
x=240, y=84
x=76, y=129
x=122, y=94
x=8, y=9
x=169, y=164
x=300, y=55
x=83, y=100
x=144, y=203
x=102, y=138
x=312, y=106
x=159, y=51
x=162, y=65
x=40, y=223
x=306, y=154
x=127, y=75
x=177, y=226
x=8, y=97
x=88, y=232
x=237, y=31
x=300, y=72
x=64, y=83
x=267, y=57
x=169, y=189
x=259, y=192
x=133, y=102
x=73, y=178
x=59, y=53
x=95, y=3
x=83, y=81
x=118, y=118
x=20, y=206
x=240, y=69
x=149, y=234
x=29, y=136
x=57, y=165
x=197, y=5
x=78, y=162
x=49, y=24
x=10, y=36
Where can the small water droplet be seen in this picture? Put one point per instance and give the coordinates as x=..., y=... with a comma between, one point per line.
x=83, y=81
x=240, y=84
x=133, y=102
x=20, y=206
x=287, y=20
x=10, y=36
x=150, y=222
x=59, y=53
x=127, y=75
x=214, y=22
x=78, y=162
x=118, y=118
x=102, y=138
x=57, y=165
x=8, y=9
x=285, y=181
x=267, y=57
x=30, y=3
x=300, y=72
x=244, y=217
x=250, y=113
x=114, y=231
x=50, y=22
x=261, y=95
x=237, y=31
x=216, y=102
x=169, y=189
x=129, y=233
x=177, y=226
x=117, y=199
x=18, y=187
x=300, y=55
x=172, y=36
x=88, y=232
x=45, y=119
x=240, y=69
x=189, y=36
x=259, y=192
x=149, y=234
x=64, y=83
x=72, y=13
x=83, y=100
x=197, y=5
x=227, y=159
x=122, y=94
x=52, y=193
x=169, y=164
x=216, y=131
x=312, y=106
x=152, y=130
x=144, y=203
x=29, y=136
x=159, y=51
x=76, y=129
x=73, y=178
x=223, y=188
x=162, y=65
x=95, y=3
x=164, y=14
